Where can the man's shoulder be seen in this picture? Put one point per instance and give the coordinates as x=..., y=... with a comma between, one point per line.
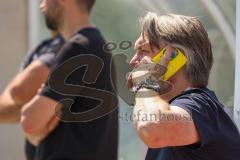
x=57, y=41
x=202, y=98
x=35, y=53
x=45, y=42
x=79, y=39
x=201, y=93
x=86, y=41
x=87, y=36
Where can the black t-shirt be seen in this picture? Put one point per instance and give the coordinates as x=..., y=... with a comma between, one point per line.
x=95, y=139
x=220, y=139
x=45, y=52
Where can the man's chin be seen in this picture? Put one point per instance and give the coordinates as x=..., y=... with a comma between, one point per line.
x=51, y=26
x=43, y=11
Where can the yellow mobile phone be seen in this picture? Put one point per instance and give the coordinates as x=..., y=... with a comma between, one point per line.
x=177, y=62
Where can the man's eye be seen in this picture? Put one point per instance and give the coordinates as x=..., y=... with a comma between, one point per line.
x=174, y=54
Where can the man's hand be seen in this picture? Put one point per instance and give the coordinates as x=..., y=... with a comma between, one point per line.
x=38, y=118
x=36, y=138
x=146, y=69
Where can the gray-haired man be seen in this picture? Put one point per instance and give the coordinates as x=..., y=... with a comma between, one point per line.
x=190, y=122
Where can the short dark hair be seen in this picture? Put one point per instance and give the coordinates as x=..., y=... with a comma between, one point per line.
x=87, y=3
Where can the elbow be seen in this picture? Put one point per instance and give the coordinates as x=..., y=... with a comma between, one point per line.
x=151, y=135
x=17, y=93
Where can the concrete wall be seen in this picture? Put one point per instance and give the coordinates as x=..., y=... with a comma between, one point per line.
x=13, y=47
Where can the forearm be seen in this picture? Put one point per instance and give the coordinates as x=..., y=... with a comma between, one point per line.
x=10, y=105
x=21, y=90
x=27, y=83
x=150, y=112
x=9, y=110
x=161, y=122
x=38, y=118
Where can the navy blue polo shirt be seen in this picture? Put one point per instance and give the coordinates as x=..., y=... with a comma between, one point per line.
x=220, y=139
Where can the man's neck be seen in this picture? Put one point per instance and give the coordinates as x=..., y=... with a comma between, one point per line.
x=72, y=24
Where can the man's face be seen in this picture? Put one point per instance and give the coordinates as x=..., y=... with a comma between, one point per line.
x=52, y=11
x=143, y=49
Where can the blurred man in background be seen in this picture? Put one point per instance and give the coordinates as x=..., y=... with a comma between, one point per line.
x=95, y=138
x=24, y=86
x=46, y=53
x=187, y=123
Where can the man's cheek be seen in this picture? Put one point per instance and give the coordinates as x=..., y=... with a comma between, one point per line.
x=152, y=54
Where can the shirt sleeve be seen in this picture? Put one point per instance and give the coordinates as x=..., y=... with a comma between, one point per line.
x=48, y=59
x=203, y=113
x=69, y=50
x=49, y=55
x=29, y=57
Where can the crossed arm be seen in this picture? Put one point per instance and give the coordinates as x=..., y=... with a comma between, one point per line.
x=38, y=118
x=21, y=90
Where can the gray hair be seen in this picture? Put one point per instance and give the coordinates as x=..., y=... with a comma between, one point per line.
x=189, y=35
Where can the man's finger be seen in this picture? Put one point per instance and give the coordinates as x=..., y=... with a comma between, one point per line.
x=129, y=81
x=146, y=60
x=166, y=58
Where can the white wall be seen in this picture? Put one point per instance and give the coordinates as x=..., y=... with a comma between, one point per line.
x=13, y=46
